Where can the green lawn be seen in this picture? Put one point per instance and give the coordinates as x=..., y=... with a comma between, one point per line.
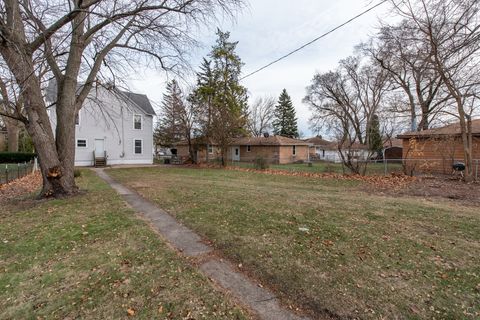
x=325, y=245
x=90, y=257
x=327, y=167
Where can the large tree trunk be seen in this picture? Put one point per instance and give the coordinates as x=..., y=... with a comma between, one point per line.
x=56, y=181
x=13, y=131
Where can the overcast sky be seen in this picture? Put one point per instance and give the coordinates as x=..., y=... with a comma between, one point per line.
x=268, y=29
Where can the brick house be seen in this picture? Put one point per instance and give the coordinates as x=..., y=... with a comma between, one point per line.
x=435, y=150
x=273, y=149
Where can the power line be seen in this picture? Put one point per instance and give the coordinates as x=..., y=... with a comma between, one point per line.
x=314, y=40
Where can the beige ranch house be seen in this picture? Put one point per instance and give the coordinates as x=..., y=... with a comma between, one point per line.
x=273, y=149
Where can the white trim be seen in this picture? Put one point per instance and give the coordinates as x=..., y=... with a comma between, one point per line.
x=86, y=143
x=141, y=141
x=141, y=121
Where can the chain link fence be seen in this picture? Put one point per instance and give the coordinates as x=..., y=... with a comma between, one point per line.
x=12, y=171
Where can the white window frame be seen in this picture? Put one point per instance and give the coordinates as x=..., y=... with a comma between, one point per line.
x=249, y=148
x=210, y=149
x=141, y=141
x=294, y=150
x=141, y=121
x=86, y=143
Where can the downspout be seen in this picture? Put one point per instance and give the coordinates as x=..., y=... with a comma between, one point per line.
x=123, y=133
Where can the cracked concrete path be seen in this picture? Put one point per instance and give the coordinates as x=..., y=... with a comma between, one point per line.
x=262, y=301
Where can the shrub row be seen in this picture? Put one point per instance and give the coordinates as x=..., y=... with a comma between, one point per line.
x=16, y=157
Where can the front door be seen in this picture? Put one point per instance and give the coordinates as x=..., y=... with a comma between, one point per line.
x=236, y=153
x=99, y=148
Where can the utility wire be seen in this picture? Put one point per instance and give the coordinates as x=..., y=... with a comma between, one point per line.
x=314, y=40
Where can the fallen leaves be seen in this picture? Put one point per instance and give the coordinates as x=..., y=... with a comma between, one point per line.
x=392, y=181
x=18, y=187
x=130, y=312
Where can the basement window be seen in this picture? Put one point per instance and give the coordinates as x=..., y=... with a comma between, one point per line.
x=81, y=143
x=249, y=148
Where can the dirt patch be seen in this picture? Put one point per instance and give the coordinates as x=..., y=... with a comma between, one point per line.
x=20, y=187
x=441, y=187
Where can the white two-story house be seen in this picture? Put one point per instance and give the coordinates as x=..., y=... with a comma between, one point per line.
x=113, y=127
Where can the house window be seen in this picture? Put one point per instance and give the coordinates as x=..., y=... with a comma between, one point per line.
x=81, y=143
x=137, y=122
x=77, y=119
x=294, y=150
x=249, y=148
x=138, y=147
x=210, y=149
x=323, y=153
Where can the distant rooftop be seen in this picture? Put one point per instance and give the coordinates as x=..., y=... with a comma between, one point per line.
x=269, y=141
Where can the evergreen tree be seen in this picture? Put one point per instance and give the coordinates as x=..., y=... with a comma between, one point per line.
x=221, y=102
x=170, y=127
x=374, y=136
x=285, y=122
x=202, y=98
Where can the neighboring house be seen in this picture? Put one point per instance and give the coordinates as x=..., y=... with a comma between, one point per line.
x=393, y=149
x=322, y=149
x=436, y=150
x=203, y=150
x=329, y=150
x=273, y=149
x=112, y=125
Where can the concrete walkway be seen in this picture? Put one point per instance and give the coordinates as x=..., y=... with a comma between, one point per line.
x=262, y=301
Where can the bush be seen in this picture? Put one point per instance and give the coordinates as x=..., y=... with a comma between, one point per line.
x=16, y=157
x=261, y=163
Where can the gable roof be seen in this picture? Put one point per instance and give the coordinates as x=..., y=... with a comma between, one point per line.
x=269, y=141
x=318, y=141
x=140, y=100
x=448, y=130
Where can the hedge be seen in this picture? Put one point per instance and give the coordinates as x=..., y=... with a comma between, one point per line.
x=16, y=157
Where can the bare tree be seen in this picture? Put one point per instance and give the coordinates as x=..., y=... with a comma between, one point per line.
x=347, y=100
x=260, y=116
x=11, y=105
x=397, y=49
x=169, y=127
x=74, y=41
x=452, y=30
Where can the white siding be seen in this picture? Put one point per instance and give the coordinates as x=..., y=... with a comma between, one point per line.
x=109, y=117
